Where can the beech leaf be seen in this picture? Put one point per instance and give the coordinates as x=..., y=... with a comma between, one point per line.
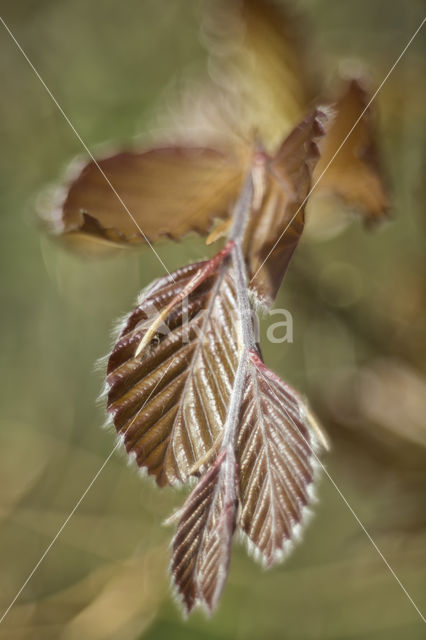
x=168, y=192
x=276, y=446
x=275, y=229
x=355, y=173
x=190, y=395
x=169, y=401
x=202, y=542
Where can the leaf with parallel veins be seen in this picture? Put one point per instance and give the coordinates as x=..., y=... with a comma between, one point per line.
x=276, y=445
x=276, y=227
x=169, y=400
x=188, y=404
x=168, y=192
x=202, y=542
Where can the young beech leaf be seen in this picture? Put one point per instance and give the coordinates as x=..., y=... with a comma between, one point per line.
x=277, y=438
x=169, y=401
x=190, y=395
x=258, y=57
x=168, y=192
x=202, y=542
x=276, y=227
x=355, y=173
x=270, y=482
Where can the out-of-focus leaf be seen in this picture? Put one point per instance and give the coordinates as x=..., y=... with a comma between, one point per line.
x=260, y=88
x=276, y=228
x=202, y=542
x=275, y=451
x=171, y=372
x=354, y=174
x=125, y=604
x=168, y=192
x=258, y=59
x=115, y=601
x=17, y=477
x=367, y=396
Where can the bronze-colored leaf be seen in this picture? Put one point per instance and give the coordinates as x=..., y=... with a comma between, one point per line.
x=276, y=227
x=354, y=173
x=202, y=543
x=275, y=452
x=258, y=56
x=167, y=193
x=170, y=374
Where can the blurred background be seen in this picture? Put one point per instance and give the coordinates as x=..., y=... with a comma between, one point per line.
x=358, y=301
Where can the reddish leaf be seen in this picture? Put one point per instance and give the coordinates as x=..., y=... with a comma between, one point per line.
x=169, y=401
x=276, y=447
x=202, y=543
x=276, y=227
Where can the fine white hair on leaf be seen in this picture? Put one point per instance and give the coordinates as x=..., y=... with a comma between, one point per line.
x=131, y=459
x=311, y=488
x=288, y=544
x=103, y=393
x=118, y=326
x=260, y=305
x=177, y=596
x=173, y=519
x=101, y=363
x=108, y=423
x=50, y=201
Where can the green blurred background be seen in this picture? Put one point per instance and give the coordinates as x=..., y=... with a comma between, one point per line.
x=358, y=301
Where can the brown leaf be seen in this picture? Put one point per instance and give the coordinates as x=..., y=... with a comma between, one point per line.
x=275, y=452
x=355, y=173
x=276, y=227
x=167, y=192
x=169, y=400
x=258, y=60
x=202, y=543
